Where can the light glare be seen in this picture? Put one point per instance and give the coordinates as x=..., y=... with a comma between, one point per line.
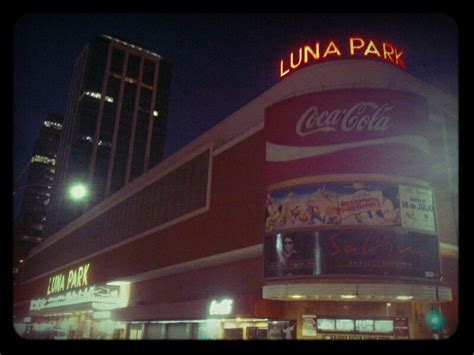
x=78, y=192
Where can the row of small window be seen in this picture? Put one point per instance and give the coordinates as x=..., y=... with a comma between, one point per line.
x=98, y=96
x=101, y=142
x=54, y=125
x=131, y=45
x=131, y=80
x=29, y=238
x=43, y=159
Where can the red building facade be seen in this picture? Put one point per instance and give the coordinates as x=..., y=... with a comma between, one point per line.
x=188, y=250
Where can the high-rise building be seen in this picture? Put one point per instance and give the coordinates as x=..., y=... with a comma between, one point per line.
x=29, y=226
x=115, y=123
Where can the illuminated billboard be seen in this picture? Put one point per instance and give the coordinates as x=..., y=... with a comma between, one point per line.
x=379, y=252
x=316, y=203
x=348, y=131
x=347, y=176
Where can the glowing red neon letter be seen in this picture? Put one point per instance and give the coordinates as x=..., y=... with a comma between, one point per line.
x=332, y=49
x=294, y=66
x=369, y=49
x=386, y=52
x=353, y=47
x=398, y=58
x=314, y=54
x=283, y=73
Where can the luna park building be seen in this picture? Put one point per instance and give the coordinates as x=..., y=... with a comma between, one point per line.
x=325, y=208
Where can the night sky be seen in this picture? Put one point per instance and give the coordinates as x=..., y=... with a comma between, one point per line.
x=220, y=61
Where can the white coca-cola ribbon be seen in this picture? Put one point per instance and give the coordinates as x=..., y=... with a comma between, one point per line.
x=278, y=152
x=364, y=115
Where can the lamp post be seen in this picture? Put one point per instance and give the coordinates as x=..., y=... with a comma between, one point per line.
x=438, y=306
x=434, y=318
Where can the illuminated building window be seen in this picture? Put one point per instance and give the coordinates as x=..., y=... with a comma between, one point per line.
x=101, y=142
x=97, y=95
x=131, y=45
x=105, y=143
x=43, y=159
x=30, y=238
x=87, y=138
x=54, y=125
x=38, y=226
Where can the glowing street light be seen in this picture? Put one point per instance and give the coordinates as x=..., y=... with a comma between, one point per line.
x=78, y=191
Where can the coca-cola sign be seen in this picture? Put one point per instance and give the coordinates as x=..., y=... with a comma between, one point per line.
x=367, y=130
x=364, y=115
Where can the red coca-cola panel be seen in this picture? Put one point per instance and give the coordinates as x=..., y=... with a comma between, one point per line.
x=375, y=131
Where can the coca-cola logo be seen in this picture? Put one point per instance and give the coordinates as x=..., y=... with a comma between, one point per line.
x=362, y=116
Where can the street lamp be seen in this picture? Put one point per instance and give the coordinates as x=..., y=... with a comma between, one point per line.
x=78, y=191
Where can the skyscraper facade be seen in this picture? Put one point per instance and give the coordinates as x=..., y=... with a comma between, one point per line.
x=115, y=123
x=29, y=226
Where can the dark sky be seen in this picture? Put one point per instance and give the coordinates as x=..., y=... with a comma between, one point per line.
x=220, y=61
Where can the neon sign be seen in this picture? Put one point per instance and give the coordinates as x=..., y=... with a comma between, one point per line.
x=221, y=308
x=75, y=278
x=355, y=47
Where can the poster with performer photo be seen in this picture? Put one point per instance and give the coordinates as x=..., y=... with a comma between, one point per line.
x=359, y=252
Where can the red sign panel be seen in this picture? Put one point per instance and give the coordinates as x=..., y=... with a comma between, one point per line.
x=347, y=131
